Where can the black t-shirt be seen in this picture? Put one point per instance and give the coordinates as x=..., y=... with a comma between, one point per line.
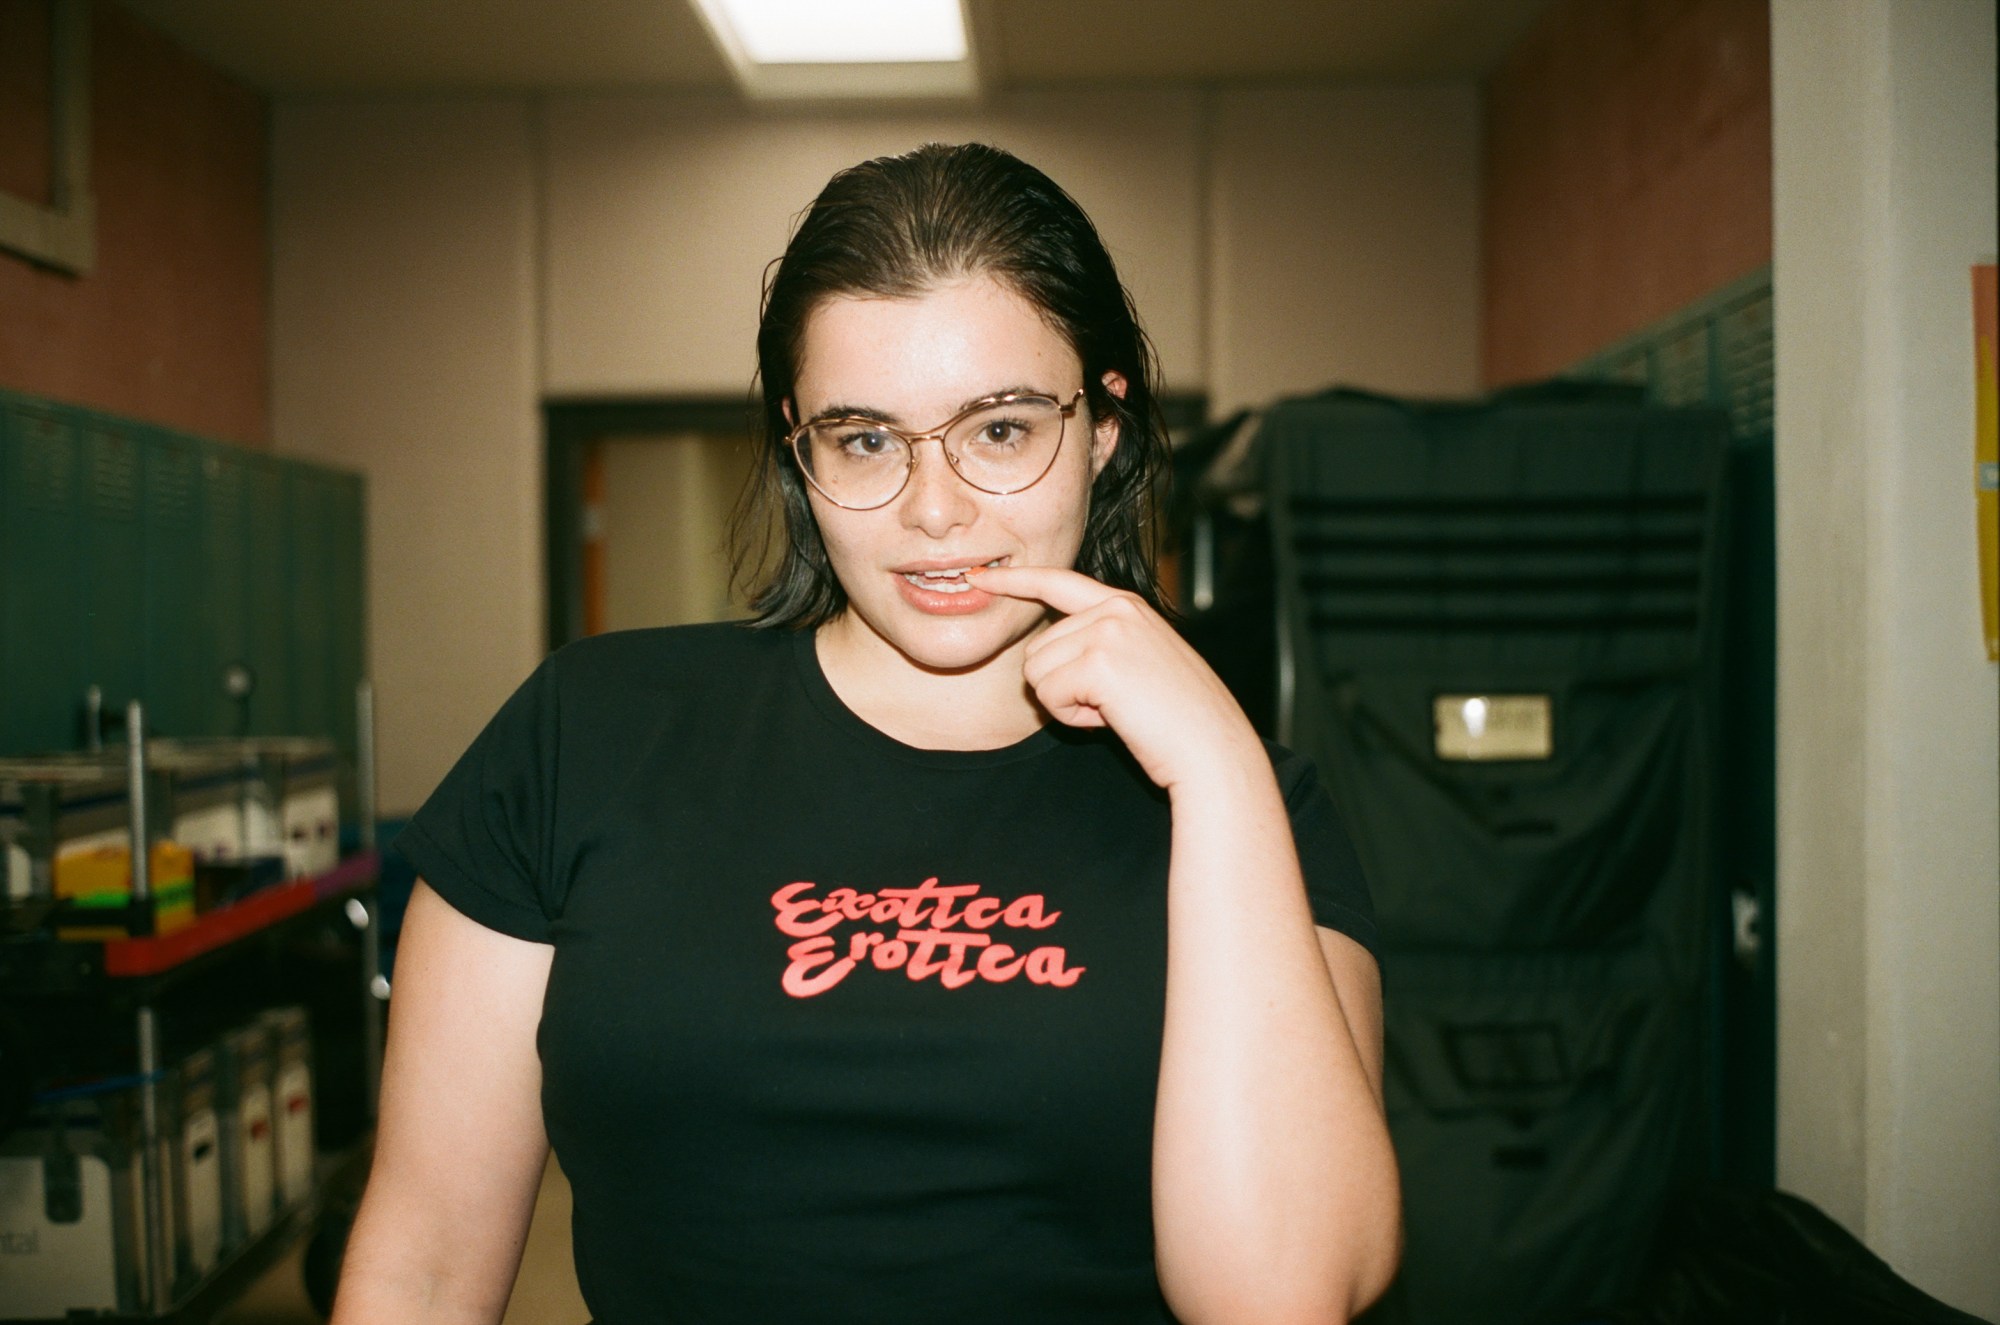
x=837, y=1029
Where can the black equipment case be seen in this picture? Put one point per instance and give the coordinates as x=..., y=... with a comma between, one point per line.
x=1499, y=633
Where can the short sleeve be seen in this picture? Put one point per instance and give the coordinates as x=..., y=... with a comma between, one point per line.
x=483, y=839
x=1335, y=885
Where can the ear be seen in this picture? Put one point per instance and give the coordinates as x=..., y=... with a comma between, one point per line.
x=786, y=406
x=1104, y=437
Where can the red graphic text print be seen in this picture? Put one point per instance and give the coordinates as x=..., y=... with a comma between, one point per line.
x=952, y=933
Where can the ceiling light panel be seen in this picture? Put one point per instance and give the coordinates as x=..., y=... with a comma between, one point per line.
x=830, y=49
x=847, y=31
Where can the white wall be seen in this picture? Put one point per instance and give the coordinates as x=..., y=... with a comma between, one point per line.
x=1339, y=238
x=443, y=265
x=662, y=213
x=403, y=345
x=1274, y=239
x=1889, y=743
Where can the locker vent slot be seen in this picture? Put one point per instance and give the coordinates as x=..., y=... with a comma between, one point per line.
x=114, y=475
x=172, y=484
x=1716, y=353
x=47, y=472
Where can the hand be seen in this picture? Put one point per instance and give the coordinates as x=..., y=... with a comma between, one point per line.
x=1112, y=661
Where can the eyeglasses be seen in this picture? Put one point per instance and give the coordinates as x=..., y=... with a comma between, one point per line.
x=1000, y=445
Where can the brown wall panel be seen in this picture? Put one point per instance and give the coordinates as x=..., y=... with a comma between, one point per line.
x=171, y=325
x=1627, y=172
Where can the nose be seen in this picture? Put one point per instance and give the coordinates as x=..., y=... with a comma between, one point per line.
x=936, y=500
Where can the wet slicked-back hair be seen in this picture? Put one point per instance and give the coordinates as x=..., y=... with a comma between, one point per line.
x=895, y=227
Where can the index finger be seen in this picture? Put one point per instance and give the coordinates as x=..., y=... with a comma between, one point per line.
x=1066, y=591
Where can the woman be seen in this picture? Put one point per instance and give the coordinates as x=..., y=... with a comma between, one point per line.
x=936, y=946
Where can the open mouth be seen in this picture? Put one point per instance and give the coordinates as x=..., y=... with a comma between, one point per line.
x=950, y=579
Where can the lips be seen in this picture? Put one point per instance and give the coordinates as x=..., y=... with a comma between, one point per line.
x=941, y=587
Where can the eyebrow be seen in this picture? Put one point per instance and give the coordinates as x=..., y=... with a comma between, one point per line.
x=874, y=415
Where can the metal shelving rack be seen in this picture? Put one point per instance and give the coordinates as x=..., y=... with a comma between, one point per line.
x=138, y=974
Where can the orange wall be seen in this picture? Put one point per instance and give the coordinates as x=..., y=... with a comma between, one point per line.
x=171, y=325
x=1627, y=173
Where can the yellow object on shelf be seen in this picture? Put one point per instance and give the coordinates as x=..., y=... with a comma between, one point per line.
x=101, y=877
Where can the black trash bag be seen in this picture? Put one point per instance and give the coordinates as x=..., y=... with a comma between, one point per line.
x=1728, y=1256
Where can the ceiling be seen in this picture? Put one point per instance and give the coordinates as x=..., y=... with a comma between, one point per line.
x=284, y=46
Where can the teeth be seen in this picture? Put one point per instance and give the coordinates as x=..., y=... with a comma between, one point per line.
x=938, y=586
x=950, y=580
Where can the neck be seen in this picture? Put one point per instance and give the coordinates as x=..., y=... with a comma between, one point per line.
x=983, y=707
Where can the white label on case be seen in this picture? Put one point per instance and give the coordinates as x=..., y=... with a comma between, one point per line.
x=1493, y=726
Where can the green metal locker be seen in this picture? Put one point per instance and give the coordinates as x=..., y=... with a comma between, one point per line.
x=41, y=574
x=154, y=564
x=310, y=532
x=178, y=681
x=113, y=548
x=267, y=566
x=349, y=607
x=222, y=619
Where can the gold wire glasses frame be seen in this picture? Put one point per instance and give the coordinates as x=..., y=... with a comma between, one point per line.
x=801, y=436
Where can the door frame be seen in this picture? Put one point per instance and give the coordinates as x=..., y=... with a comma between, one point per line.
x=570, y=427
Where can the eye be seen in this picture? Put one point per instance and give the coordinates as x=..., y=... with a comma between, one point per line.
x=1001, y=432
x=866, y=443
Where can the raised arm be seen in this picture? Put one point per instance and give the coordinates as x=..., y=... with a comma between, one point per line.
x=459, y=1147
x=1274, y=1186
x=1275, y=1197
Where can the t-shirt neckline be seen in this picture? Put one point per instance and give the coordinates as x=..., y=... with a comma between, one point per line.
x=819, y=691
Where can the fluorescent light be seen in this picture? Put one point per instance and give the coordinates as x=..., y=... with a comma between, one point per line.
x=828, y=49
x=847, y=31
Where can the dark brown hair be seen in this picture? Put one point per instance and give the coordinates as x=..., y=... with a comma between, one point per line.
x=895, y=227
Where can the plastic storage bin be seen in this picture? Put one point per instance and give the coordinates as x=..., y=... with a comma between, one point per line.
x=72, y=1211
x=249, y=1134
x=196, y=1168
x=292, y=1102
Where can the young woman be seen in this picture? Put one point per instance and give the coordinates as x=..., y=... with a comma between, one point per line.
x=944, y=944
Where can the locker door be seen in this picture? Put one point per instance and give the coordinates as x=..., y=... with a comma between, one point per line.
x=222, y=617
x=176, y=667
x=114, y=558
x=350, y=598
x=311, y=503
x=267, y=569
x=41, y=579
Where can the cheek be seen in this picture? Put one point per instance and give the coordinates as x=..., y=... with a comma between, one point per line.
x=1058, y=524
x=1083, y=490
x=840, y=539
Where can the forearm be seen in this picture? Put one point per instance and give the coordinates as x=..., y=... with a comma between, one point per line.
x=1275, y=1193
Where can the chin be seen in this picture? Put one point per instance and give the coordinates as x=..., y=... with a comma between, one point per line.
x=959, y=643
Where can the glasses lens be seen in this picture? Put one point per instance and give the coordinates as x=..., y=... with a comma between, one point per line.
x=853, y=462
x=1006, y=447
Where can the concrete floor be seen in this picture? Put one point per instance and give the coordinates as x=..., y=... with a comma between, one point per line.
x=544, y=1294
